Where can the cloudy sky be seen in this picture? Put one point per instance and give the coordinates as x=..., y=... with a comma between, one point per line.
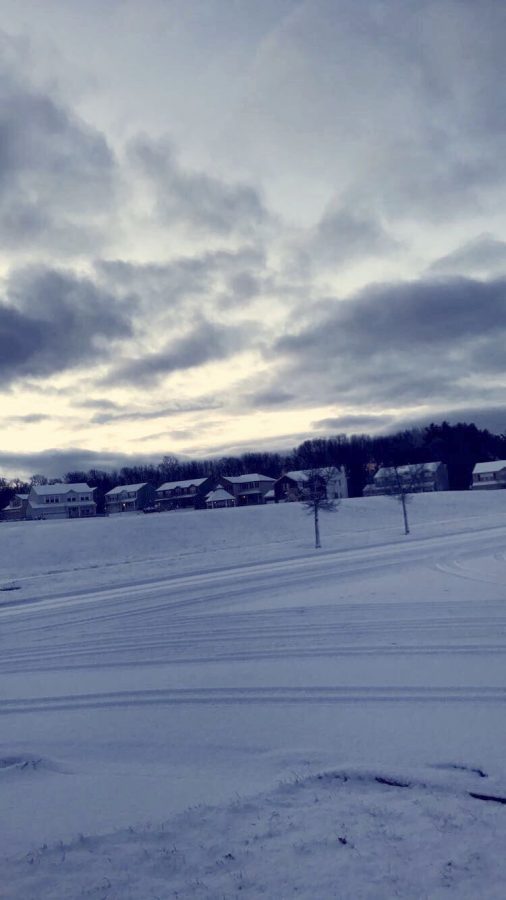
x=234, y=224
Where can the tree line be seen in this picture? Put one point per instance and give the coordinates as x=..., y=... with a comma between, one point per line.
x=459, y=446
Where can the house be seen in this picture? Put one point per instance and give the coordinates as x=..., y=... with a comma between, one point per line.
x=219, y=499
x=16, y=510
x=190, y=494
x=292, y=486
x=489, y=476
x=61, y=501
x=416, y=478
x=129, y=498
x=247, y=490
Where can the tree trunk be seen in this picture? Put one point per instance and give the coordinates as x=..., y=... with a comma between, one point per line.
x=405, y=513
x=317, y=541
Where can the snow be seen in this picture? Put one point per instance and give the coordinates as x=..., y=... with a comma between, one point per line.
x=172, y=485
x=245, y=479
x=218, y=495
x=45, y=489
x=487, y=467
x=197, y=704
x=120, y=488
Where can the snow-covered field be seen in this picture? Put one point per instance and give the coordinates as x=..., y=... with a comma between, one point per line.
x=200, y=705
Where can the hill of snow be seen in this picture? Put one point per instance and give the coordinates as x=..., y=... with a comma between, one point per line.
x=199, y=704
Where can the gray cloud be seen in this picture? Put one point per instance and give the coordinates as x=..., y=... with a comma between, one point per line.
x=29, y=419
x=119, y=413
x=398, y=345
x=483, y=255
x=57, y=174
x=206, y=342
x=95, y=403
x=404, y=316
x=55, y=462
x=222, y=276
x=401, y=103
x=353, y=423
x=268, y=397
x=341, y=237
x=52, y=320
x=196, y=199
x=493, y=418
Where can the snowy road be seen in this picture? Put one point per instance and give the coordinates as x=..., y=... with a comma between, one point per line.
x=129, y=703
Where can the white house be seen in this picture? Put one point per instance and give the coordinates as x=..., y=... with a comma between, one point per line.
x=416, y=478
x=219, y=499
x=61, y=501
x=489, y=476
x=293, y=485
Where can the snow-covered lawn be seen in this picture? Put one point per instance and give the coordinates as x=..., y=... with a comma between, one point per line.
x=200, y=705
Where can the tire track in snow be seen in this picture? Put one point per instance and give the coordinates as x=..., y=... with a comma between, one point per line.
x=247, y=695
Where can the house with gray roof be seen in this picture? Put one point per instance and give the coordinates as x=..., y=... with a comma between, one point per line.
x=129, y=498
x=415, y=478
x=61, y=501
x=15, y=511
x=489, y=476
x=219, y=499
x=294, y=485
x=247, y=490
x=189, y=494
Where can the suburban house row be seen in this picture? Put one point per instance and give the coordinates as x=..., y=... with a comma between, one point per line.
x=62, y=501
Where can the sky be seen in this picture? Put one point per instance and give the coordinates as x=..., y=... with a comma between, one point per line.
x=230, y=225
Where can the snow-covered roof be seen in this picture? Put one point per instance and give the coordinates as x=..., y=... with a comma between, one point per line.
x=125, y=487
x=13, y=504
x=413, y=469
x=170, y=485
x=218, y=494
x=301, y=475
x=243, y=479
x=44, y=489
x=484, y=467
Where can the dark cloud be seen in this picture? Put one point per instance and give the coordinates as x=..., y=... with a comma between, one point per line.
x=55, y=463
x=270, y=397
x=399, y=345
x=57, y=175
x=206, y=342
x=51, y=321
x=353, y=423
x=406, y=316
x=196, y=199
x=493, y=418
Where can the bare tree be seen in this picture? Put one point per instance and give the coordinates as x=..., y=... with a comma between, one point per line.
x=401, y=482
x=317, y=495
